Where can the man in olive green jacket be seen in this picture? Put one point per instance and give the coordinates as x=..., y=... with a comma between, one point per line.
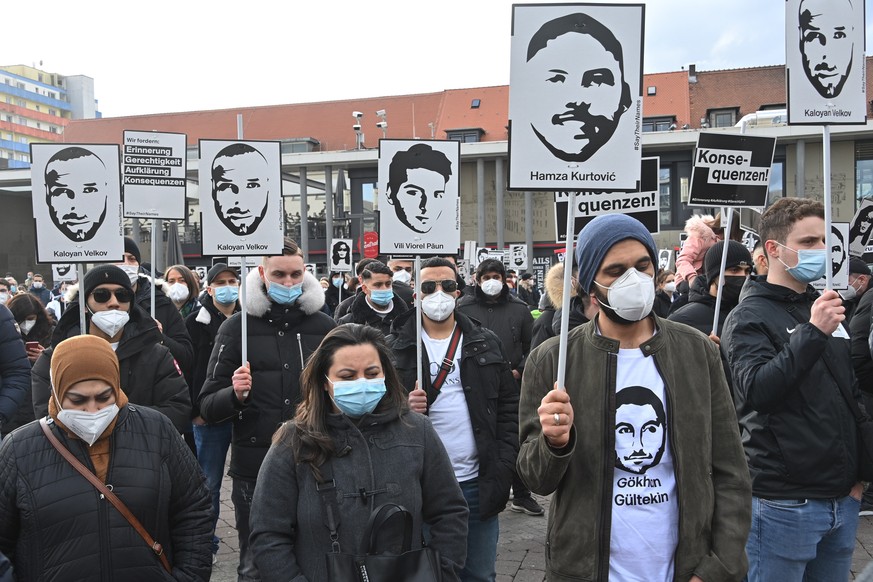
x=642, y=450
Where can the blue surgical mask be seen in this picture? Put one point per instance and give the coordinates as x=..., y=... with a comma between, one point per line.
x=337, y=282
x=356, y=398
x=811, y=264
x=381, y=296
x=226, y=294
x=284, y=295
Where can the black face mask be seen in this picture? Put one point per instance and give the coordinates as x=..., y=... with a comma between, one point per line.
x=730, y=291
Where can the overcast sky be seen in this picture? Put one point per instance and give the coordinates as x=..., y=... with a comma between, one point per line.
x=183, y=55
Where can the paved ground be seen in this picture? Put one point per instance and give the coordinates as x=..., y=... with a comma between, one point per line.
x=520, y=554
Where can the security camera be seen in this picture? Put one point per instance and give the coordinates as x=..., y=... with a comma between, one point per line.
x=356, y=127
x=381, y=113
x=382, y=124
x=357, y=114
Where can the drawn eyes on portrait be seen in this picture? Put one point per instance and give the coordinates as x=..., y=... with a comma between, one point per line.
x=598, y=78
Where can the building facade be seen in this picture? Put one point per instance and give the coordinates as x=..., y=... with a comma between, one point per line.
x=36, y=106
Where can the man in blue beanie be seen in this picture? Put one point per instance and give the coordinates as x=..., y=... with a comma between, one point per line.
x=641, y=448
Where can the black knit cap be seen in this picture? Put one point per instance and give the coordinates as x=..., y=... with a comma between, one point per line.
x=216, y=270
x=737, y=255
x=105, y=274
x=131, y=247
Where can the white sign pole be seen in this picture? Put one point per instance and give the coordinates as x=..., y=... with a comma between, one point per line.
x=154, y=260
x=726, y=223
x=82, y=329
x=826, y=174
x=243, y=271
x=418, y=317
x=565, y=303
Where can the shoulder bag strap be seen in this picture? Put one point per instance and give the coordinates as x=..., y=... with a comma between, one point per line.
x=448, y=360
x=326, y=488
x=107, y=493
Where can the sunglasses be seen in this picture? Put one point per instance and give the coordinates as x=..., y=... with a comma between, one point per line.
x=448, y=285
x=103, y=295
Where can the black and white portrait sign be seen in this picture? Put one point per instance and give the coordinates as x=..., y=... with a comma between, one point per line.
x=575, y=96
x=340, y=255
x=643, y=203
x=310, y=268
x=839, y=257
x=241, y=197
x=154, y=169
x=419, y=197
x=518, y=257
x=76, y=202
x=64, y=272
x=486, y=253
x=731, y=170
x=860, y=231
x=824, y=56
x=664, y=259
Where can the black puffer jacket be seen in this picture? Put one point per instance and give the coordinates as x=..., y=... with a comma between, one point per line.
x=202, y=324
x=14, y=368
x=361, y=312
x=492, y=399
x=700, y=309
x=53, y=525
x=175, y=334
x=149, y=374
x=797, y=430
x=280, y=340
x=507, y=316
x=859, y=330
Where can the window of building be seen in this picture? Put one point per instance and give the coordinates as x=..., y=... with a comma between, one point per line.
x=651, y=90
x=475, y=103
x=777, y=182
x=664, y=187
x=21, y=102
x=658, y=123
x=37, y=108
x=53, y=111
x=19, y=85
x=8, y=81
x=863, y=171
x=9, y=118
x=52, y=95
x=38, y=125
x=39, y=76
x=465, y=135
x=722, y=117
x=53, y=129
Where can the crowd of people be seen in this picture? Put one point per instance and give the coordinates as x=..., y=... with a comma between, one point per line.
x=729, y=445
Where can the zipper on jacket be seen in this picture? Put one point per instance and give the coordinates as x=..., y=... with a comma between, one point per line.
x=608, y=468
x=217, y=358
x=300, y=347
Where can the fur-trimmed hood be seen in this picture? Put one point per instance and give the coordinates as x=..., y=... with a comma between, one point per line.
x=258, y=302
x=554, y=285
x=699, y=225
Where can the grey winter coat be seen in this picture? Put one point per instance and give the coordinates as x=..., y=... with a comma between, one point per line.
x=381, y=458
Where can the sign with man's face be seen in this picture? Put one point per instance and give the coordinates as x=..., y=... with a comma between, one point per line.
x=154, y=170
x=643, y=203
x=340, y=255
x=839, y=255
x=419, y=197
x=575, y=96
x=76, y=202
x=860, y=230
x=518, y=257
x=824, y=53
x=241, y=197
x=310, y=268
x=486, y=253
x=731, y=170
x=64, y=272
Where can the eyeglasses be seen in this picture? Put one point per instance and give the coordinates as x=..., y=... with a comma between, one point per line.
x=447, y=285
x=103, y=295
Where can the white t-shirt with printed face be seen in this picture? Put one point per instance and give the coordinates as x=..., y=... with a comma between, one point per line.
x=645, y=512
x=449, y=413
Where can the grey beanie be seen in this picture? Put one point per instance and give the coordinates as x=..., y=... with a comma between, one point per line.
x=599, y=235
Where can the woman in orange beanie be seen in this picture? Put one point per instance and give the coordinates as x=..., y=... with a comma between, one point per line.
x=55, y=525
